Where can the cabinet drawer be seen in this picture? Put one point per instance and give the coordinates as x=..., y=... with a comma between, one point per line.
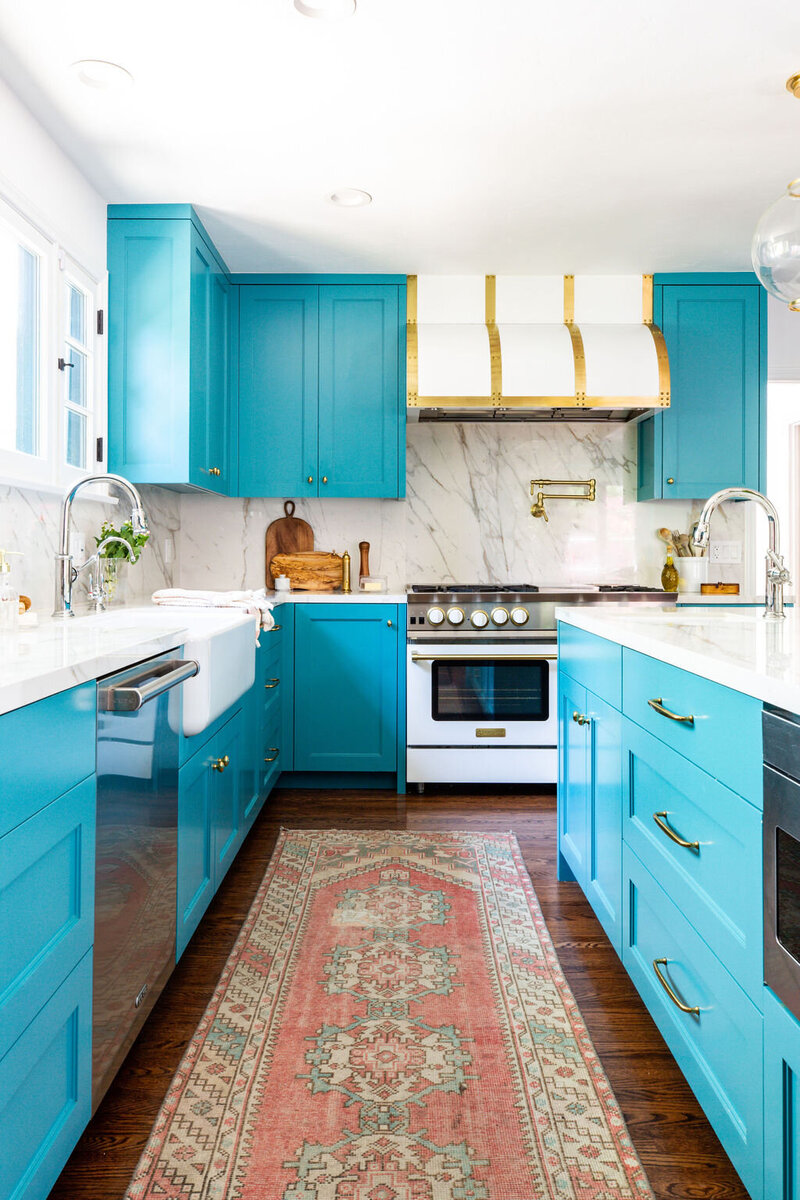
x=592, y=661
x=45, y=1089
x=719, y=1047
x=46, y=905
x=46, y=748
x=715, y=883
x=724, y=733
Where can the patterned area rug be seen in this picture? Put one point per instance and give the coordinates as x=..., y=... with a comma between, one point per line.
x=392, y=1024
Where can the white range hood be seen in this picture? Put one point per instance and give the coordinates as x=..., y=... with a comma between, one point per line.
x=534, y=347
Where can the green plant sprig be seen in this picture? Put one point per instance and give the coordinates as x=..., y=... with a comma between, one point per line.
x=136, y=541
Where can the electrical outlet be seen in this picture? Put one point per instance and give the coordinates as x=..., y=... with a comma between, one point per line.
x=169, y=550
x=725, y=552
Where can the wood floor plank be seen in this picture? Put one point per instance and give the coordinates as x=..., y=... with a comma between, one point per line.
x=679, y=1150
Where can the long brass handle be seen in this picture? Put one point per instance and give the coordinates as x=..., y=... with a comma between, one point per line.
x=658, y=705
x=272, y=683
x=484, y=657
x=220, y=764
x=274, y=629
x=685, y=1008
x=274, y=756
x=660, y=819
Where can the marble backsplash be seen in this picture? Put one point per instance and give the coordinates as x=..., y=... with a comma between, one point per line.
x=466, y=517
x=30, y=524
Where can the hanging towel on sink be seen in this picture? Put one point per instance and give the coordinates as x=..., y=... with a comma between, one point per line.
x=253, y=602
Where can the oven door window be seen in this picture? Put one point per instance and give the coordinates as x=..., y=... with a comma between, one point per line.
x=466, y=690
x=787, y=865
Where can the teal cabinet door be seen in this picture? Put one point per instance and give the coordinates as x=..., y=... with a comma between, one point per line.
x=714, y=433
x=195, y=844
x=781, y=1101
x=278, y=385
x=169, y=343
x=604, y=849
x=359, y=397
x=228, y=752
x=573, y=781
x=345, y=687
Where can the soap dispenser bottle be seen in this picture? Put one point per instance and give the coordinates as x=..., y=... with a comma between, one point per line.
x=9, y=596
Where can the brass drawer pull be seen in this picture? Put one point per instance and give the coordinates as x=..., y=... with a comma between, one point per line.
x=220, y=764
x=658, y=705
x=685, y=1008
x=272, y=683
x=580, y=719
x=275, y=753
x=660, y=819
x=274, y=629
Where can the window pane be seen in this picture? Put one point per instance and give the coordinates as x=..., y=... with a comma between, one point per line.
x=75, y=371
x=76, y=439
x=76, y=314
x=19, y=345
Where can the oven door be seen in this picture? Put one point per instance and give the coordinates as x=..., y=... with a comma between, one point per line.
x=482, y=694
x=782, y=887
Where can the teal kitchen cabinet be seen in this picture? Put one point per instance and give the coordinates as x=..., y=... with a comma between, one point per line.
x=346, y=694
x=263, y=709
x=713, y=435
x=589, y=776
x=781, y=1101
x=47, y=840
x=209, y=822
x=170, y=363
x=321, y=388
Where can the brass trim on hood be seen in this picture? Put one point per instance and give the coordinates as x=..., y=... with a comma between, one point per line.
x=495, y=353
x=412, y=342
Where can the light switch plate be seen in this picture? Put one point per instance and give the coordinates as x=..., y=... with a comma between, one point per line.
x=725, y=552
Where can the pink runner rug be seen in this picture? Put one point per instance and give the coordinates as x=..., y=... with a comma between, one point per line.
x=392, y=1024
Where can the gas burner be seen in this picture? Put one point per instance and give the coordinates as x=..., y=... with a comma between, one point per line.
x=455, y=588
x=626, y=587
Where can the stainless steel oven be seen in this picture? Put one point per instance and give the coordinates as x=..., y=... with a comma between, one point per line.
x=782, y=856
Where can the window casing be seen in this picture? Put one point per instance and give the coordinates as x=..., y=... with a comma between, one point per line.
x=52, y=388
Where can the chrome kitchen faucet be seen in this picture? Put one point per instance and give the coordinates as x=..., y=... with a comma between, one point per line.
x=66, y=573
x=777, y=574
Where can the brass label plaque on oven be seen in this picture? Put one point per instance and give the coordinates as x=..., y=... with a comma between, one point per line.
x=490, y=733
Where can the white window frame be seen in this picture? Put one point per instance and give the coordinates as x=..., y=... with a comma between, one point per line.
x=48, y=470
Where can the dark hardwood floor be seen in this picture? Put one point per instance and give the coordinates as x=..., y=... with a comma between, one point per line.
x=681, y=1154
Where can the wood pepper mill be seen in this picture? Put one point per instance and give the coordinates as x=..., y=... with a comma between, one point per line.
x=364, y=567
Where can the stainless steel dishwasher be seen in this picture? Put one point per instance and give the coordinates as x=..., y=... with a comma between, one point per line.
x=138, y=724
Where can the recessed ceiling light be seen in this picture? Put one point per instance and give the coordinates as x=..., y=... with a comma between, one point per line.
x=105, y=76
x=329, y=10
x=350, y=198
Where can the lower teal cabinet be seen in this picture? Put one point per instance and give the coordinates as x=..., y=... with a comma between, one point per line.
x=46, y=1088
x=346, y=687
x=573, y=780
x=209, y=823
x=781, y=1101
x=263, y=709
x=712, y=1028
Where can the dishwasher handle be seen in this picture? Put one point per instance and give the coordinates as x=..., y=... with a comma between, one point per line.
x=152, y=682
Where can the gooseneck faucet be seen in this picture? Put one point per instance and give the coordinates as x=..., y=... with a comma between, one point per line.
x=777, y=574
x=66, y=573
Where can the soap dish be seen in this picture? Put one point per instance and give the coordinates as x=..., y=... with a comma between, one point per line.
x=372, y=583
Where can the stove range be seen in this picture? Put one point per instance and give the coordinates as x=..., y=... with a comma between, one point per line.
x=472, y=611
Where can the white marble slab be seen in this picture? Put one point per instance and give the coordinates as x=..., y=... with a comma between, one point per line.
x=737, y=648
x=338, y=598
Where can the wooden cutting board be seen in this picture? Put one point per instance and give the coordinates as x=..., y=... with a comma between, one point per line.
x=287, y=535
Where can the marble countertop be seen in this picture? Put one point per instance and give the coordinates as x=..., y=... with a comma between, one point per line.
x=737, y=648
x=56, y=655
x=354, y=597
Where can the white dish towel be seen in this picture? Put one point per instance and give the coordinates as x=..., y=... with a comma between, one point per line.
x=253, y=602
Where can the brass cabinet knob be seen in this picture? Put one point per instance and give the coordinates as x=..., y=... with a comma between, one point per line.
x=272, y=683
x=214, y=471
x=275, y=752
x=324, y=478
x=311, y=479
x=389, y=623
x=579, y=718
x=670, y=479
x=220, y=764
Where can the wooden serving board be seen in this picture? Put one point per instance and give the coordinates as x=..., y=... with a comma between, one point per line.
x=719, y=589
x=309, y=570
x=287, y=535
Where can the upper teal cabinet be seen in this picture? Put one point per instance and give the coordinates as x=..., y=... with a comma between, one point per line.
x=714, y=433
x=169, y=348
x=322, y=387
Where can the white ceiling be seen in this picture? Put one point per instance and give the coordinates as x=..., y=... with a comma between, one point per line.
x=508, y=136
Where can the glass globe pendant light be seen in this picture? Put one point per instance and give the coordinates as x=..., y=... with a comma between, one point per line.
x=776, y=242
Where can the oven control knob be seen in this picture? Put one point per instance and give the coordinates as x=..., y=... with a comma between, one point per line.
x=519, y=616
x=479, y=618
x=455, y=616
x=435, y=616
x=499, y=616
